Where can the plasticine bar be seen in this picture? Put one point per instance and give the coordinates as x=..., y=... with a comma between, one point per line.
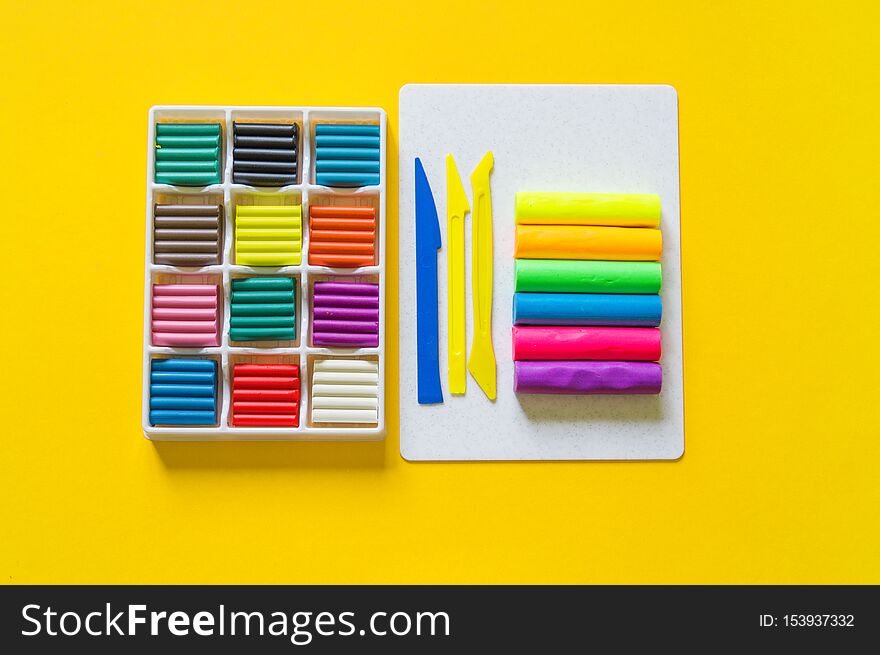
x=187, y=167
x=187, y=210
x=346, y=402
x=182, y=390
x=264, y=154
x=347, y=153
x=272, y=395
x=346, y=247
x=184, y=302
x=346, y=166
x=346, y=141
x=263, y=407
x=615, y=209
x=184, y=365
x=345, y=377
x=262, y=284
x=281, y=211
x=355, y=365
x=264, y=142
x=185, y=259
x=262, y=334
x=587, y=276
x=263, y=179
x=323, y=299
x=345, y=340
x=346, y=313
x=262, y=322
x=587, y=242
x=184, y=313
x=342, y=261
x=185, y=339
x=573, y=343
x=342, y=212
x=344, y=415
x=181, y=417
x=258, y=259
x=188, y=129
x=335, y=237
x=246, y=166
x=587, y=377
x=270, y=381
x=188, y=179
x=186, y=141
x=335, y=325
x=265, y=129
x=262, y=296
x=348, y=289
x=346, y=179
x=337, y=390
x=185, y=290
x=209, y=326
x=187, y=247
x=363, y=129
x=265, y=421
x=177, y=402
x=181, y=377
x=633, y=310
x=277, y=370
x=266, y=309
x=188, y=154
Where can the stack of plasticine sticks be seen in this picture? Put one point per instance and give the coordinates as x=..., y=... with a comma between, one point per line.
x=586, y=309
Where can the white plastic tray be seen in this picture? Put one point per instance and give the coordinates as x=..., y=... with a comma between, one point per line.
x=545, y=138
x=230, y=195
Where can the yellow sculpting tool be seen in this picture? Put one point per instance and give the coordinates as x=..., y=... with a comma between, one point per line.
x=482, y=361
x=456, y=208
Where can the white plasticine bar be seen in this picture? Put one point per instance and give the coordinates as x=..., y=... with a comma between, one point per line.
x=348, y=402
x=367, y=391
x=345, y=377
x=296, y=199
x=344, y=416
x=353, y=365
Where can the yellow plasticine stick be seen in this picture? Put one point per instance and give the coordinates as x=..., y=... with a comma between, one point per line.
x=260, y=259
x=482, y=360
x=613, y=209
x=268, y=222
x=268, y=210
x=456, y=208
x=259, y=234
x=269, y=246
x=587, y=242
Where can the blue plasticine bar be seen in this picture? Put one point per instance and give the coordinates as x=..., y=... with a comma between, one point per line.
x=184, y=365
x=165, y=402
x=346, y=141
x=636, y=310
x=346, y=179
x=346, y=166
x=347, y=129
x=182, y=390
x=371, y=154
x=181, y=377
x=181, y=417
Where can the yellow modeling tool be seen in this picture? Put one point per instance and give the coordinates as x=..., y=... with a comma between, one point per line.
x=456, y=208
x=482, y=361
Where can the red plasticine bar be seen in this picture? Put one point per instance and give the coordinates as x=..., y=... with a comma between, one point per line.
x=265, y=421
x=577, y=343
x=265, y=395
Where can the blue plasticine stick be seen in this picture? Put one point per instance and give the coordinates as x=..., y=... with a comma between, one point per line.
x=346, y=179
x=347, y=129
x=346, y=166
x=185, y=390
x=182, y=417
x=636, y=310
x=180, y=377
x=346, y=141
x=184, y=365
x=370, y=154
x=164, y=402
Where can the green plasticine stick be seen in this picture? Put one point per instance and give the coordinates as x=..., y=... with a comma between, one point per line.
x=262, y=321
x=262, y=284
x=188, y=129
x=586, y=276
x=262, y=334
x=187, y=154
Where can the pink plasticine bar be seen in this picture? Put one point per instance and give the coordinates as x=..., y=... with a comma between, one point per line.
x=209, y=327
x=184, y=289
x=185, y=340
x=185, y=302
x=584, y=343
x=184, y=314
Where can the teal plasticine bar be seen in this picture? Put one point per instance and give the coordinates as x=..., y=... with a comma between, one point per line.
x=187, y=142
x=188, y=179
x=346, y=179
x=610, y=309
x=262, y=284
x=371, y=154
x=181, y=417
x=263, y=309
x=186, y=390
x=262, y=334
x=346, y=166
x=347, y=129
x=187, y=154
x=182, y=377
x=346, y=141
x=174, y=402
x=262, y=296
x=187, y=166
x=188, y=129
x=263, y=322
x=184, y=365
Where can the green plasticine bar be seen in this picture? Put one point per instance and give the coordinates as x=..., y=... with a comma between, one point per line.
x=262, y=334
x=187, y=142
x=250, y=296
x=586, y=276
x=188, y=179
x=187, y=154
x=262, y=309
x=187, y=166
x=262, y=284
x=263, y=322
x=188, y=129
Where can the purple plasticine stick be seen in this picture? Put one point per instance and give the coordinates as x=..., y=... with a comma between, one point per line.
x=587, y=377
x=347, y=288
x=346, y=314
x=345, y=340
x=345, y=301
x=330, y=325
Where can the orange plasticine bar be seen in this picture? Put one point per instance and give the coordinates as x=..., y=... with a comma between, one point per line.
x=341, y=261
x=586, y=242
x=341, y=212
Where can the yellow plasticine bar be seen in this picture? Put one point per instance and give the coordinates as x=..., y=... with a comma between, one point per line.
x=587, y=242
x=610, y=209
x=269, y=246
x=268, y=222
x=268, y=210
x=286, y=234
x=261, y=259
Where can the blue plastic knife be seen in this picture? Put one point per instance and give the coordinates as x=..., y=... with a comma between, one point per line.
x=427, y=328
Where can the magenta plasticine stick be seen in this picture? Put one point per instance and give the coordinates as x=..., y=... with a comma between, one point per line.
x=587, y=377
x=347, y=288
x=346, y=314
x=321, y=300
x=330, y=325
x=574, y=343
x=345, y=340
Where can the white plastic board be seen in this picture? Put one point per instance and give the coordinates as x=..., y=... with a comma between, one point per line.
x=604, y=138
x=301, y=351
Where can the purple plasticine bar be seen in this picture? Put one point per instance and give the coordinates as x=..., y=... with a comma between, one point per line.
x=330, y=325
x=345, y=301
x=587, y=377
x=345, y=340
x=347, y=288
x=346, y=314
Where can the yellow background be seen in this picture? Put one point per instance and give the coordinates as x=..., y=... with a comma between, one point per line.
x=779, y=143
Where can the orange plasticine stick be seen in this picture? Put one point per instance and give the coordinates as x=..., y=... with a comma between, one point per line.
x=586, y=242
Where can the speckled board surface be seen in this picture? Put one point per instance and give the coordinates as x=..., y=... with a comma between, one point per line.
x=545, y=138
